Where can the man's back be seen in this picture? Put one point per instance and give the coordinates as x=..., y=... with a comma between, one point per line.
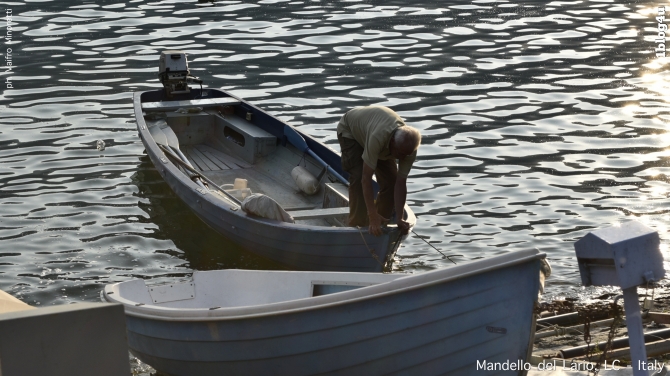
x=365, y=124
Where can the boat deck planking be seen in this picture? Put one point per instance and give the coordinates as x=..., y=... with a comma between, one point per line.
x=217, y=163
x=217, y=156
x=210, y=164
x=195, y=159
x=205, y=158
x=270, y=177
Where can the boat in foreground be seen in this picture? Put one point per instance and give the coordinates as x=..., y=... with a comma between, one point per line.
x=231, y=322
x=204, y=142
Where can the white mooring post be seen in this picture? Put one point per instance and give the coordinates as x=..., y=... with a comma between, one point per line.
x=627, y=256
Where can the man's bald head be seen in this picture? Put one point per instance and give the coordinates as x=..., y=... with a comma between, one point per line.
x=405, y=141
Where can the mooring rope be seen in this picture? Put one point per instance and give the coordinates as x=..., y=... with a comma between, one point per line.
x=377, y=258
x=374, y=255
x=448, y=257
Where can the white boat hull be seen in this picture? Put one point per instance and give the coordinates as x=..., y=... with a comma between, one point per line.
x=442, y=322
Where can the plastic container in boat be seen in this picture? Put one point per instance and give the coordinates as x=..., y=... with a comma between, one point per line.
x=240, y=183
x=240, y=194
x=305, y=180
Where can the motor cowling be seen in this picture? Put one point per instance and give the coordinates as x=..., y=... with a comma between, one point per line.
x=174, y=74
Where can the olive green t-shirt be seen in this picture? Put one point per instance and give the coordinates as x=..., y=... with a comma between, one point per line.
x=372, y=127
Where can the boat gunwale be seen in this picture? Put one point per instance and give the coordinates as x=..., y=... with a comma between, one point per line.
x=408, y=283
x=143, y=129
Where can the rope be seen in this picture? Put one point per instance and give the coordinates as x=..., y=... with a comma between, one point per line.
x=557, y=330
x=397, y=246
x=374, y=255
x=448, y=257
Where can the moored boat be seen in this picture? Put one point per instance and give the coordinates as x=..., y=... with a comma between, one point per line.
x=447, y=321
x=205, y=141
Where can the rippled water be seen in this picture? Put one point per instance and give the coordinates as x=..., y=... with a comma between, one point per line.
x=541, y=122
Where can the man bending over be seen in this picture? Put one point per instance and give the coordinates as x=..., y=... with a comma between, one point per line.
x=372, y=139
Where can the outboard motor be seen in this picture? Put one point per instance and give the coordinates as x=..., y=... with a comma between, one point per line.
x=174, y=74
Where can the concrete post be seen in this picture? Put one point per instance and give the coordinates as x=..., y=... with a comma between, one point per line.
x=638, y=354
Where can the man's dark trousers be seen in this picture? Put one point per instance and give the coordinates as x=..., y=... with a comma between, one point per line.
x=386, y=173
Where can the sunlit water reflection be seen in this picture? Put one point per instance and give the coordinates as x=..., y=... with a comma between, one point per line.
x=541, y=122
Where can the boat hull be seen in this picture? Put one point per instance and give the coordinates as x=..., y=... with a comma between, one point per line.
x=302, y=247
x=451, y=327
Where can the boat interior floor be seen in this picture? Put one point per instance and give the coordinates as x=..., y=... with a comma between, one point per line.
x=270, y=176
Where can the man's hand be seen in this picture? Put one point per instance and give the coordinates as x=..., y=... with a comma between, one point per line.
x=403, y=227
x=376, y=222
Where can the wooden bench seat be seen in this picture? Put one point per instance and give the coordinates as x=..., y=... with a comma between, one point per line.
x=319, y=213
x=175, y=105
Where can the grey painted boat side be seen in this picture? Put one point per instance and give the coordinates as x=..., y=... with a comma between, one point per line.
x=64, y=340
x=440, y=322
x=299, y=246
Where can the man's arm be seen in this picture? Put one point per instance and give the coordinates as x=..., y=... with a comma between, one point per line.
x=374, y=218
x=399, y=198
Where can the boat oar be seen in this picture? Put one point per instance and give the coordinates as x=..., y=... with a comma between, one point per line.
x=160, y=135
x=299, y=142
x=176, y=158
x=157, y=134
x=173, y=142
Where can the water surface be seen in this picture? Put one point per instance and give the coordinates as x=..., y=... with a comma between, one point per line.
x=542, y=121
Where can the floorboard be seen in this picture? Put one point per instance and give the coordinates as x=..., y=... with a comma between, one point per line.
x=211, y=165
x=231, y=161
x=219, y=163
x=194, y=159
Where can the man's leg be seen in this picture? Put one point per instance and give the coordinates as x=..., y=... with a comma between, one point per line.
x=386, y=173
x=352, y=162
